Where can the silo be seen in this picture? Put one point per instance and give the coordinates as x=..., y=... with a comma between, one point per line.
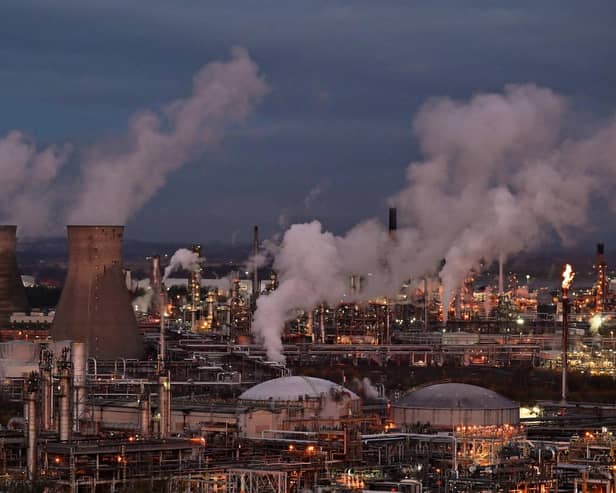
x=95, y=306
x=12, y=292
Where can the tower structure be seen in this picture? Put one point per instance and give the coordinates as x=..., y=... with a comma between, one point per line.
x=195, y=288
x=95, y=306
x=12, y=291
x=601, y=289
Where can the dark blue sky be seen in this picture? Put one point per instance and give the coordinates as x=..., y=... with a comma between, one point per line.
x=346, y=78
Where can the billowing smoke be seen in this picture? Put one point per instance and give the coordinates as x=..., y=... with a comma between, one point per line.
x=500, y=173
x=182, y=259
x=117, y=178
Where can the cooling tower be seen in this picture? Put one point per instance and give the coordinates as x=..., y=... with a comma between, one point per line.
x=95, y=306
x=12, y=292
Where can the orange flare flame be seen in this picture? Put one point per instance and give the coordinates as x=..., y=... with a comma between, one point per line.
x=568, y=276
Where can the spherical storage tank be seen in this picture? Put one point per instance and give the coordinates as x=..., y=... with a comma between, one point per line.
x=448, y=405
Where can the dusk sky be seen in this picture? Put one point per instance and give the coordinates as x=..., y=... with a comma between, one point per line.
x=333, y=137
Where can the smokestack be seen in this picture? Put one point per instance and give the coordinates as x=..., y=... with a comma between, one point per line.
x=158, y=305
x=393, y=222
x=31, y=390
x=601, y=290
x=161, y=341
x=95, y=306
x=568, y=276
x=12, y=292
x=255, y=272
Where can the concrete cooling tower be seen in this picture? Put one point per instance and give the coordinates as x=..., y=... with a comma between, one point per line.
x=95, y=306
x=12, y=292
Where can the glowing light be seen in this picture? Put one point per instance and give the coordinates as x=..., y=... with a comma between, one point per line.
x=568, y=276
x=596, y=321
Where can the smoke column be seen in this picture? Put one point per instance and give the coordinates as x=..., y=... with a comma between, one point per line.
x=181, y=259
x=499, y=173
x=117, y=178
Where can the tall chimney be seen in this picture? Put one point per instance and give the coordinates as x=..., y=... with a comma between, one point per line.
x=255, y=272
x=567, y=276
x=393, y=222
x=12, y=292
x=95, y=306
x=155, y=284
x=161, y=336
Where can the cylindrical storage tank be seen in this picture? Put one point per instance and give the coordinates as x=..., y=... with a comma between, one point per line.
x=447, y=405
x=12, y=291
x=95, y=306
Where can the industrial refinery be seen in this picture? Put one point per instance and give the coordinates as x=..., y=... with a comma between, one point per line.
x=161, y=384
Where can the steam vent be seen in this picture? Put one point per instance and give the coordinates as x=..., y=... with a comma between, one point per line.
x=95, y=306
x=12, y=292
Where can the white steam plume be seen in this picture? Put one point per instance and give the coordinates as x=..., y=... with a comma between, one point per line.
x=143, y=303
x=116, y=179
x=117, y=184
x=182, y=259
x=500, y=172
x=364, y=387
x=27, y=176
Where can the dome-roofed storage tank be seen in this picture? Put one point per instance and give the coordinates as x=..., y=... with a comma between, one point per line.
x=95, y=306
x=447, y=405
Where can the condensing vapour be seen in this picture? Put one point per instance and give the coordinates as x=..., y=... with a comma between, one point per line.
x=182, y=259
x=500, y=173
x=117, y=178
